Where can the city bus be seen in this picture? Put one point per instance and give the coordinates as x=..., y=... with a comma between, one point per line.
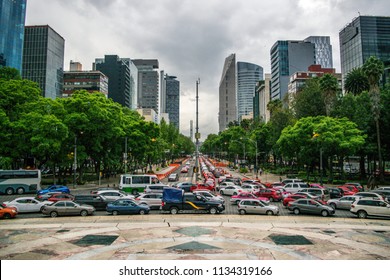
x=20, y=181
x=137, y=183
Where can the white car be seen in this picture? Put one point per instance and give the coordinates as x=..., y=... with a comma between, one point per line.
x=344, y=202
x=27, y=204
x=231, y=190
x=209, y=195
x=153, y=200
x=224, y=185
x=112, y=195
x=295, y=187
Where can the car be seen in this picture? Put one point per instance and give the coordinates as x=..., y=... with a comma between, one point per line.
x=322, y=194
x=370, y=194
x=186, y=186
x=54, y=188
x=8, y=212
x=235, y=181
x=27, y=204
x=384, y=193
x=271, y=194
x=102, y=189
x=202, y=187
x=95, y=200
x=184, y=169
x=310, y=206
x=293, y=187
x=246, y=195
x=383, y=188
x=294, y=196
x=223, y=185
x=153, y=200
x=251, y=187
x=67, y=208
x=60, y=196
x=254, y=206
x=126, y=206
x=334, y=193
x=358, y=185
x=156, y=188
x=173, y=177
x=294, y=180
x=210, y=196
x=351, y=188
x=113, y=195
x=46, y=196
x=344, y=202
x=231, y=190
x=365, y=207
x=345, y=191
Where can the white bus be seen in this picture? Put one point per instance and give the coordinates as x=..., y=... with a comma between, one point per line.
x=137, y=183
x=20, y=181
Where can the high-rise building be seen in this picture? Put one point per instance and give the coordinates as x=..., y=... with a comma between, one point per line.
x=122, y=79
x=247, y=76
x=365, y=36
x=77, y=79
x=148, y=83
x=227, y=93
x=261, y=99
x=288, y=57
x=323, y=50
x=43, y=59
x=12, y=19
x=172, y=97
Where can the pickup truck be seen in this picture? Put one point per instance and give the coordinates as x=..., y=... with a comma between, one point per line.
x=175, y=200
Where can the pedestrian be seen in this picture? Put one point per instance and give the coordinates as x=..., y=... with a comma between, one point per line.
x=261, y=171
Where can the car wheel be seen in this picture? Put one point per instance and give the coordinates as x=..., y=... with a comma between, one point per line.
x=20, y=191
x=242, y=212
x=362, y=214
x=142, y=212
x=9, y=191
x=53, y=214
x=269, y=213
x=271, y=199
x=115, y=213
x=213, y=210
x=40, y=210
x=134, y=192
x=84, y=213
x=333, y=205
x=324, y=213
x=296, y=211
x=7, y=216
x=174, y=210
x=234, y=193
x=221, y=192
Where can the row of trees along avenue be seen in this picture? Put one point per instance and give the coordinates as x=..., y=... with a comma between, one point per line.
x=319, y=122
x=43, y=133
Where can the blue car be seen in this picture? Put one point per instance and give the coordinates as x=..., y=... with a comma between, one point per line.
x=126, y=206
x=54, y=189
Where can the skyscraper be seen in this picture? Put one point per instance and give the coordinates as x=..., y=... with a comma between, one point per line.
x=12, y=19
x=122, y=78
x=288, y=57
x=43, y=59
x=248, y=74
x=323, y=50
x=148, y=83
x=227, y=93
x=365, y=36
x=172, y=97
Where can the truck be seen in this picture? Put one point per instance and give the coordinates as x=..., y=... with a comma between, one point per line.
x=176, y=200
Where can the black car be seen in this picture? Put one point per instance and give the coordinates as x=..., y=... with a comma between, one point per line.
x=335, y=193
x=95, y=200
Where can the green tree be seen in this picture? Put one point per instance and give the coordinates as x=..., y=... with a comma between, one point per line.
x=356, y=81
x=374, y=68
x=329, y=87
x=9, y=73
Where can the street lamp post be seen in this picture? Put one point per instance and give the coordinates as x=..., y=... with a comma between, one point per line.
x=197, y=135
x=75, y=162
x=253, y=141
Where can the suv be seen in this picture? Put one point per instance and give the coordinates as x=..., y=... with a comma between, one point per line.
x=296, y=180
x=371, y=195
x=154, y=188
x=173, y=177
x=95, y=200
x=322, y=194
x=295, y=187
x=370, y=207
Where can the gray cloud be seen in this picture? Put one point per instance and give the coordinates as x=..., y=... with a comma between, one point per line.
x=192, y=38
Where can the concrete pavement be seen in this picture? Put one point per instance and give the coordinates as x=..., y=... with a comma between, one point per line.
x=186, y=236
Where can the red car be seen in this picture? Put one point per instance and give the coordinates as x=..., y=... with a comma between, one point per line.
x=293, y=197
x=203, y=187
x=7, y=212
x=271, y=194
x=352, y=188
x=60, y=196
x=246, y=195
x=345, y=190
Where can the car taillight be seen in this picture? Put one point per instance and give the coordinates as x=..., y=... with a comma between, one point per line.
x=162, y=203
x=352, y=206
x=137, y=198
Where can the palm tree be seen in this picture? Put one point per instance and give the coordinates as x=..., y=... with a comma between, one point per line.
x=374, y=68
x=356, y=81
x=329, y=87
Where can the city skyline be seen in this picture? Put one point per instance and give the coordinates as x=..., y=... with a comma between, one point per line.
x=192, y=39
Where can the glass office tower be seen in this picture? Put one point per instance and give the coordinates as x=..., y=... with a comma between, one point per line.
x=43, y=59
x=248, y=74
x=365, y=36
x=172, y=105
x=12, y=19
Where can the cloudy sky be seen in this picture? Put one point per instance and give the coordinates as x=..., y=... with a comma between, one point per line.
x=192, y=38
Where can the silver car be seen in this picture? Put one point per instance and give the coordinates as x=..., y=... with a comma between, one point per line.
x=153, y=200
x=210, y=196
x=253, y=206
x=67, y=208
x=344, y=202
